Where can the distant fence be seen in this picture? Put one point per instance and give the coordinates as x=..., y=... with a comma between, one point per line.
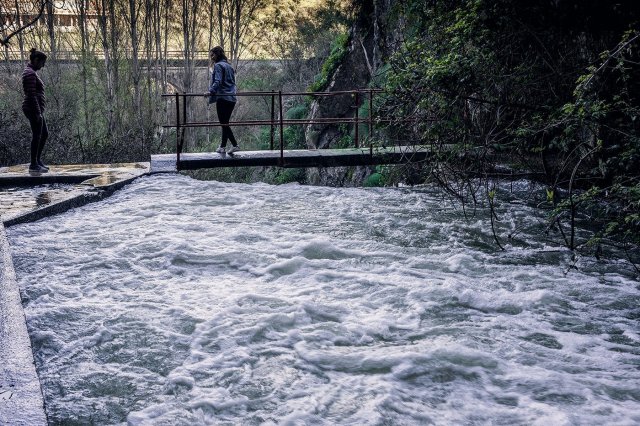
x=13, y=55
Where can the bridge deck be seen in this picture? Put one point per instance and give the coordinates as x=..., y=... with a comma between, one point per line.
x=293, y=158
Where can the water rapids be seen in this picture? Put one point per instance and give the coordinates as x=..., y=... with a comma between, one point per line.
x=182, y=302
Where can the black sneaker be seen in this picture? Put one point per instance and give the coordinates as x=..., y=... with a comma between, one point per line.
x=41, y=164
x=37, y=169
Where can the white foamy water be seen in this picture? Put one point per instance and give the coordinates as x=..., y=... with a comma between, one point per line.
x=181, y=302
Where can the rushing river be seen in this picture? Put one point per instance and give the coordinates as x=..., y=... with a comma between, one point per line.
x=182, y=302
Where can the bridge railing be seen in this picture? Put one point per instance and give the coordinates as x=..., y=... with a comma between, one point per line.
x=279, y=122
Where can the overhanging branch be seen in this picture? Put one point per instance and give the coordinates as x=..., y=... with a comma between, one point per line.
x=5, y=41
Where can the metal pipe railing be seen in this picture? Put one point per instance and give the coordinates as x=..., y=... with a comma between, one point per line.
x=273, y=117
x=182, y=123
x=178, y=148
x=357, y=126
x=281, y=161
x=265, y=93
x=346, y=120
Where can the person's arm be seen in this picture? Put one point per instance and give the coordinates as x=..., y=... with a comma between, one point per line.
x=29, y=82
x=216, y=79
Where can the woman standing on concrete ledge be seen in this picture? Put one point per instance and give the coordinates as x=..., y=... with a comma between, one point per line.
x=33, y=108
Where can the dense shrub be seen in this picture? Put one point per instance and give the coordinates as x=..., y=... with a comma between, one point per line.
x=548, y=88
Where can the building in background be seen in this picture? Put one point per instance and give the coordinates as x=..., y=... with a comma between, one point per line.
x=66, y=14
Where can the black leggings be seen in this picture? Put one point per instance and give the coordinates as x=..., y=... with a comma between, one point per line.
x=39, y=135
x=224, y=110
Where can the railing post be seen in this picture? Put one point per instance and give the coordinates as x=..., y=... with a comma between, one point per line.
x=184, y=120
x=357, y=126
x=281, y=130
x=178, y=147
x=184, y=108
x=370, y=114
x=273, y=118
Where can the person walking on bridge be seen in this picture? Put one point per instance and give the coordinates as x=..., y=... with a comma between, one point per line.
x=33, y=108
x=222, y=92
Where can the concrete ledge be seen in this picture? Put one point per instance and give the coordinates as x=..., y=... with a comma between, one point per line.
x=22, y=204
x=77, y=200
x=26, y=180
x=21, y=400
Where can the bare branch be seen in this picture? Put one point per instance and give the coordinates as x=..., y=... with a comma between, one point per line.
x=5, y=41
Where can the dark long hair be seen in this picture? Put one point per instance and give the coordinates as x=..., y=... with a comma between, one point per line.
x=219, y=51
x=36, y=54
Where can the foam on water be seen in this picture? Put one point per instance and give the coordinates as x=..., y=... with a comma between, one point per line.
x=185, y=302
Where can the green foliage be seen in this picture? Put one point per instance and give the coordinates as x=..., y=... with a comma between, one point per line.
x=374, y=179
x=293, y=135
x=550, y=195
x=282, y=176
x=253, y=83
x=339, y=49
x=495, y=81
x=298, y=112
x=223, y=174
x=346, y=140
x=363, y=129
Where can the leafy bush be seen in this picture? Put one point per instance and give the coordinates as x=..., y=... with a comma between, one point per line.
x=374, y=179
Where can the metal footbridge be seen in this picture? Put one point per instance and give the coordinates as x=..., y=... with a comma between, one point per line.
x=277, y=155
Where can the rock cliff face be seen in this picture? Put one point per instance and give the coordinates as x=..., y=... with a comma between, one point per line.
x=373, y=36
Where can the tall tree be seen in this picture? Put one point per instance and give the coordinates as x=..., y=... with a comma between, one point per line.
x=104, y=25
x=132, y=21
x=51, y=27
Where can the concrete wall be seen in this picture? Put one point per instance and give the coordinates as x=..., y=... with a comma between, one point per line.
x=21, y=400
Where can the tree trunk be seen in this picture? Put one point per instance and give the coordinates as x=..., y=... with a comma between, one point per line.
x=236, y=35
x=210, y=36
x=135, y=64
x=50, y=28
x=221, y=22
x=115, y=66
x=166, y=38
x=84, y=43
x=106, y=49
x=20, y=38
